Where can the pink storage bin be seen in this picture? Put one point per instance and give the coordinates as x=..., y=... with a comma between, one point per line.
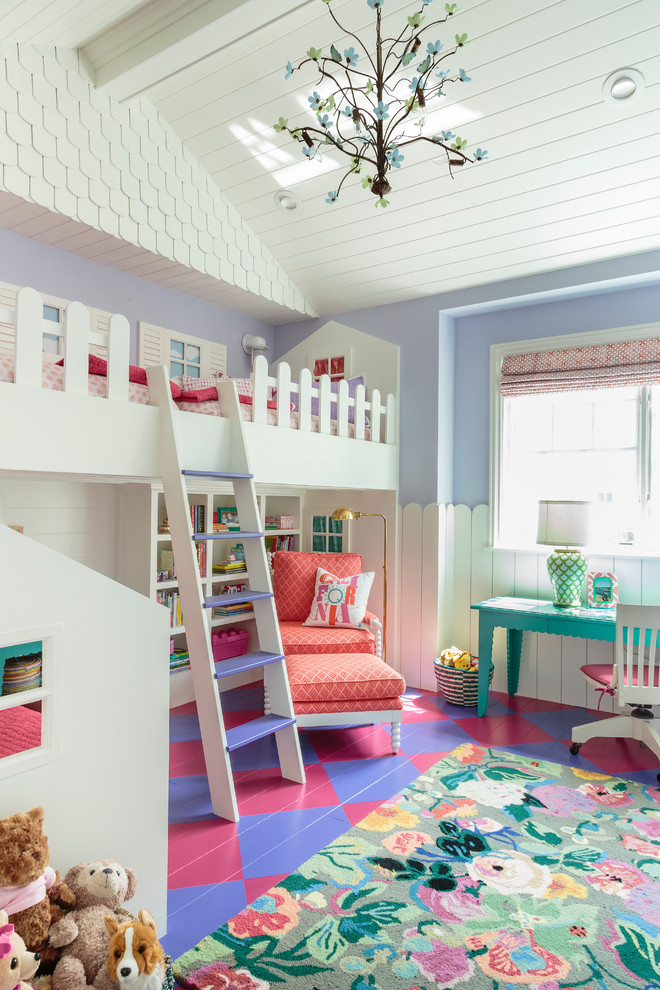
x=228, y=643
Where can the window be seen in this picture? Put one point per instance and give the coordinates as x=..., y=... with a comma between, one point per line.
x=185, y=359
x=327, y=534
x=30, y=689
x=578, y=443
x=181, y=353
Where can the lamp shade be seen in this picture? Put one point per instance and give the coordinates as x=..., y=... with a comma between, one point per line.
x=564, y=524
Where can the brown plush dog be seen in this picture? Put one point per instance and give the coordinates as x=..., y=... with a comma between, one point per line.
x=136, y=960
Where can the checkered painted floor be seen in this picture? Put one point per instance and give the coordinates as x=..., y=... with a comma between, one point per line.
x=217, y=867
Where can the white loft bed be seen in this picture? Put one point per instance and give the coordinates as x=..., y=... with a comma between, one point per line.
x=69, y=432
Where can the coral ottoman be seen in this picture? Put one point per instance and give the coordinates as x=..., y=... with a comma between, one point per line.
x=345, y=689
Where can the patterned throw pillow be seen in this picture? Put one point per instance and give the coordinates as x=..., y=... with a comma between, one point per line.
x=340, y=601
x=244, y=387
x=99, y=366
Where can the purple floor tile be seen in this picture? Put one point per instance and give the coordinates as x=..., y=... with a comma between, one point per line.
x=193, y=913
x=354, y=781
x=560, y=723
x=431, y=737
x=279, y=844
x=183, y=728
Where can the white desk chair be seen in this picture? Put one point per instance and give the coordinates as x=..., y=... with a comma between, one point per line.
x=634, y=679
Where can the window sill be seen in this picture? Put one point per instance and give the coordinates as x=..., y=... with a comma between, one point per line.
x=619, y=550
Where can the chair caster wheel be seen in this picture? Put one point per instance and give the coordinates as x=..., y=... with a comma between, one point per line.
x=658, y=777
x=642, y=745
x=575, y=748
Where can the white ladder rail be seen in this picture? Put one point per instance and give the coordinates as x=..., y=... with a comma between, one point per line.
x=216, y=741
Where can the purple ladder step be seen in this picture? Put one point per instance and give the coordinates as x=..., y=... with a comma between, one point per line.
x=225, y=535
x=248, y=661
x=258, y=728
x=236, y=598
x=215, y=474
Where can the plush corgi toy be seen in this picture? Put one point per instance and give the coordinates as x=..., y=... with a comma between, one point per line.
x=136, y=960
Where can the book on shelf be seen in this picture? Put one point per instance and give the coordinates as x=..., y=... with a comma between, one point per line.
x=240, y=608
x=198, y=517
x=179, y=660
x=166, y=570
x=274, y=543
x=172, y=601
x=229, y=567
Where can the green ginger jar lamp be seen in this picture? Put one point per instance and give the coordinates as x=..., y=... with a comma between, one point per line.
x=565, y=526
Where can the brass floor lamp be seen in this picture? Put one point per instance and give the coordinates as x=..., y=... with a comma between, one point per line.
x=347, y=515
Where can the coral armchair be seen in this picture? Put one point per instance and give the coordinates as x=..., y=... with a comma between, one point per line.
x=293, y=586
x=335, y=673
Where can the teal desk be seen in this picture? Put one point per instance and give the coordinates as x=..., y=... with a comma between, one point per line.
x=517, y=615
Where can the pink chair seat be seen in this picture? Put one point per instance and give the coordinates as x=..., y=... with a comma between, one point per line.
x=354, y=679
x=603, y=674
x=297, y=638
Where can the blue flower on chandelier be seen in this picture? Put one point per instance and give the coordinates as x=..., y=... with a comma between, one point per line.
x=348, y=110
x=332, y=197
x=289, y=70
x=395, y=158
x=463, y=76
x=434, y=48
x=324, y=121
x=480, y=155
x=381, y=110
x=315, y=101
x=351, y=56
x=375, y=4
x=309, y=152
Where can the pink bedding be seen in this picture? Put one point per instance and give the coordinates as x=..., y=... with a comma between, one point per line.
x=53, y=378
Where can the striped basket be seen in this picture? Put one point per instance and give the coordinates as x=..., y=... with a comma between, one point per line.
x=459, y=687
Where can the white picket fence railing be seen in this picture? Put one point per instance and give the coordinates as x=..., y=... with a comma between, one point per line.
x=446, y=564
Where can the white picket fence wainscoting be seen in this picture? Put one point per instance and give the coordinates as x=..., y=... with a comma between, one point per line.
x=446, y=564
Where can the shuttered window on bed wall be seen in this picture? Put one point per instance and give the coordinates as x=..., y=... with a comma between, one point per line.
x=181, y=353
x=54, y=310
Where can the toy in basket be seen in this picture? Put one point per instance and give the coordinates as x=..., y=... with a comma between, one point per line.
x=457, y=674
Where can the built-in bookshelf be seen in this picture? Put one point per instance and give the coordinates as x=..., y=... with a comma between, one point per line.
x=146, y=563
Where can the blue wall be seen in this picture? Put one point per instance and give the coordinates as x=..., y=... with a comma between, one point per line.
x=26, y=261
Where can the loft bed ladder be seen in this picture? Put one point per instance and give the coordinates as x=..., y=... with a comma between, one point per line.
x=207, y=673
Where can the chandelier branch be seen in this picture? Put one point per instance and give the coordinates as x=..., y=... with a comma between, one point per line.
x=367, y=108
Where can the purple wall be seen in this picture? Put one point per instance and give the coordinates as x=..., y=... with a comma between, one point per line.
x=445, y=358
x=25, y=261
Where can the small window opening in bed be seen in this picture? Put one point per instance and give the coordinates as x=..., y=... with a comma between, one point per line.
x=327, y=534
x=52, y=342
x=21, y=711
x=185, y=359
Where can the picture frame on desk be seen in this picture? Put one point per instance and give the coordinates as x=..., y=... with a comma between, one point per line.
x=602, y=589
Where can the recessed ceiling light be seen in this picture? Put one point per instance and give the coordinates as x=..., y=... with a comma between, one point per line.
x=288, y=201
x=623, y=86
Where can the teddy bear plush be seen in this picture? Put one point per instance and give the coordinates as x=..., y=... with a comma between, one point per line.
x=31, y=892
x=81, y=935
x=16, y=963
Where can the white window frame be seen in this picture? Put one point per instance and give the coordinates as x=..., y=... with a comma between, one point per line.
x=49, y=694
x=498, y=352
x=154, y=348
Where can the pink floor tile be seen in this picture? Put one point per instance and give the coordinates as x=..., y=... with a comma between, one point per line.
x=203, y=853
x=360, y=743
x=422, y=710
x=188, y=709
x=256, y=886
x=522, y=704
x=232, y=719
x=618, y=755
x=266, y=791
x=424, y=761
x=503, y=730
x=356, y=812
x=187, y=758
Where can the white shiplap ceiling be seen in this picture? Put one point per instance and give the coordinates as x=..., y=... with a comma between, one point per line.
x=570, y=178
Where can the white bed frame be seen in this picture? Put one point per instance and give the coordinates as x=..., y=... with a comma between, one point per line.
x=72, y=433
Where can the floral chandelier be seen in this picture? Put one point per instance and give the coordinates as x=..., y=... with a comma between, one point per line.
x=377, y=102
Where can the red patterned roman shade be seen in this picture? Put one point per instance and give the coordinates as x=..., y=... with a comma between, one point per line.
x=633, y=362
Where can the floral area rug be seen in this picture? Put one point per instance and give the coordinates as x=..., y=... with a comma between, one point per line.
x=490, y=870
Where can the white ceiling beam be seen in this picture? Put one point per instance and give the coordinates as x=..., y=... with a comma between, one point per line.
x=148, y=48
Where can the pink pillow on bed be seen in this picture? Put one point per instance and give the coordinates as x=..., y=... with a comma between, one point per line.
x=99, y=366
